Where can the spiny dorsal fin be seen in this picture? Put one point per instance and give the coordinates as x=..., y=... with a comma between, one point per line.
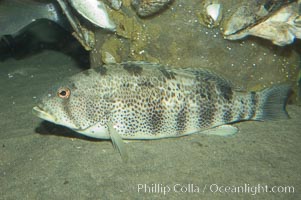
x=206, y=75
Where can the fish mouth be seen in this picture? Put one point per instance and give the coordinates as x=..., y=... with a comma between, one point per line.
x=41, y=113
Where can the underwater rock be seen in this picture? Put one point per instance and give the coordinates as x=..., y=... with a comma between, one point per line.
x=108, y=58
x=133, y=37
x=211, y=13
x=176, y=38
x=94, y=11
x=242, y=18
x=115, y=4
x=279, y=23
x=110, y=52
x=251, y=13
x=146, y=8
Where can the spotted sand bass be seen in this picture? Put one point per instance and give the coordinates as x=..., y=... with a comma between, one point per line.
x=138, y=100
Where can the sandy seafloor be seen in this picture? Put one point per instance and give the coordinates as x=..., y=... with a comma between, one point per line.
x=39, y=160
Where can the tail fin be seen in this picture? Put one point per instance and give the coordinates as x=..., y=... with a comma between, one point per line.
x=272, y=103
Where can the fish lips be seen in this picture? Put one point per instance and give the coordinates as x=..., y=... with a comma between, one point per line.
x=43, y=114
x=39, y=112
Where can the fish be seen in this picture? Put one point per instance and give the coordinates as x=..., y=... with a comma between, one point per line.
x=141, y=100
x=16, y=15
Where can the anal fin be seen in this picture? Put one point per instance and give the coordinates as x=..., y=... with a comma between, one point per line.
x=223, y=130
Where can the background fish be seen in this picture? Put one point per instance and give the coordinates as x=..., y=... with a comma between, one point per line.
x=137, y=100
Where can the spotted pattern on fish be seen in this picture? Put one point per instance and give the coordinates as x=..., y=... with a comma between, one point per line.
x=149, y=101
x=227, y=114
x=252, y=110
x=181, y=120
x=101, y=70
x=168, y=74
x=133, y=68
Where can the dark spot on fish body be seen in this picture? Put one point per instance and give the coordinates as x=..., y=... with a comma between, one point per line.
x=253, y=100
x=200, y=89
x=126, y=85
x=242, y=113
x=145, y=84
x=226, y=92
x=206, y=116
x=209, y=96
x=181, y=120
x=253, y=105
x=155, y=113
x=203, y=95
x=168, y=74
x=73, y=87
x=207, y=91
x=102, y=70
x=227, y=114
x=207, y=87
x=133, y=69
x=66, y=107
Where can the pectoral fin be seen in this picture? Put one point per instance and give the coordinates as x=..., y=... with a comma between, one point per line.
x=117, y=142
x=224, y=130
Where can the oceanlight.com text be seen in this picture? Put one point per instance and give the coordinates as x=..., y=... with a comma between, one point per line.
x=251, y=189
x=212, y=188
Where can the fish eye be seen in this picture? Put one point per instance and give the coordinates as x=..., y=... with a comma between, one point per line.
x=63, y=93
